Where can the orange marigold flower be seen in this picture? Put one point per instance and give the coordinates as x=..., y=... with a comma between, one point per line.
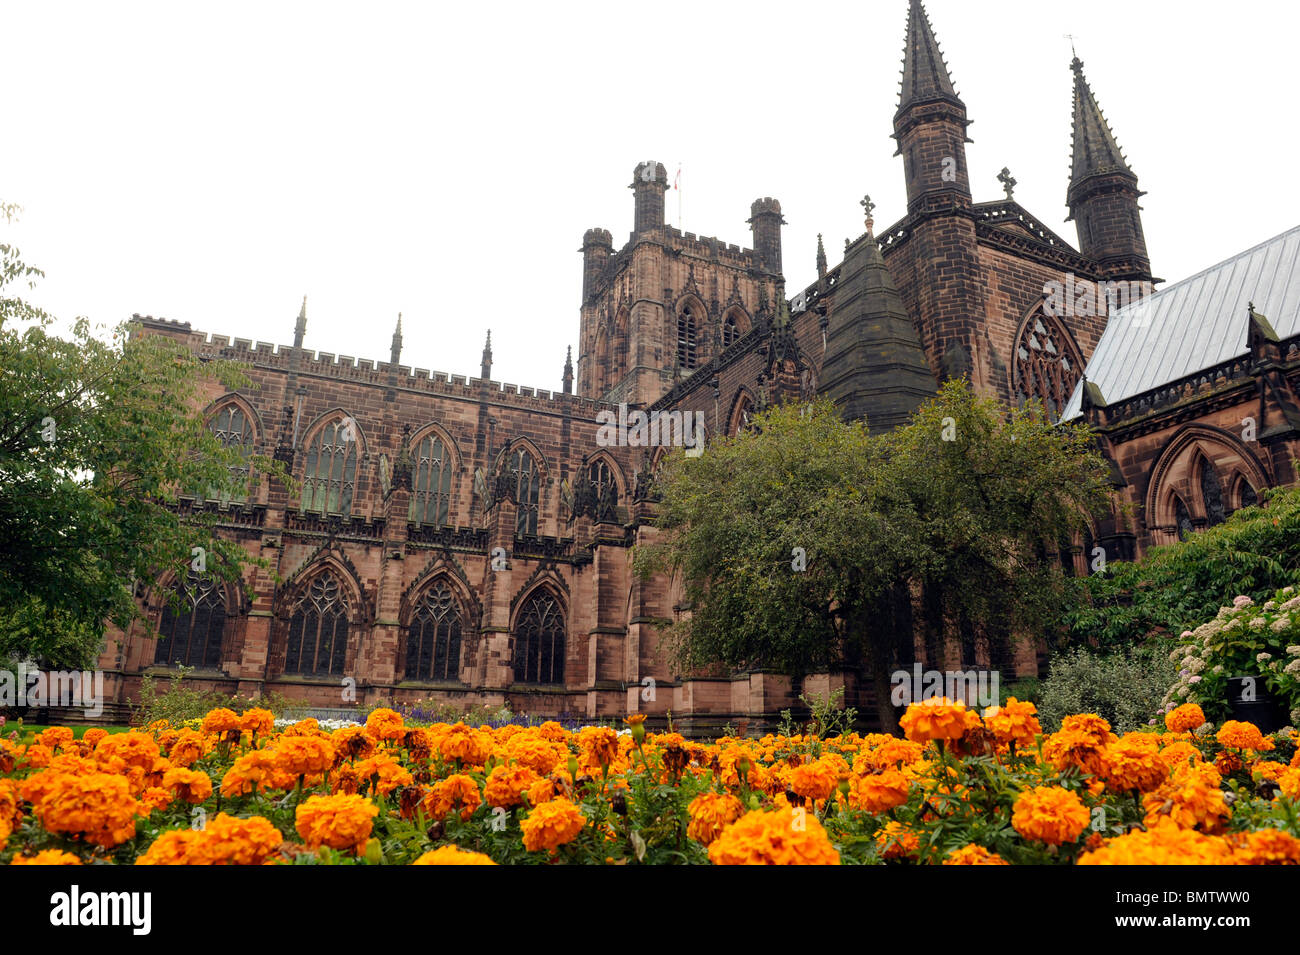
x=879, y=792
x=303, y=755
x=1289, y=784
x=190, y=785
x=127, y=749
x=1164, y=844
x=340, y=822
x=1268, y=769
x=891, y=753
x=1265, y=847
x=453, y=855
x=307, y=727
x=385, y=773
x=1133, y=763
x=973, y=855
x=711, y=813
x=56, y=737
x=1241, y=735
x=220, y=720
x=257, y=722
x=187, y=747
x=815, y=780
x=896, y=841
x=538, y=754
x=1049, y=814
x=47, y=857
x=776, y=837
x=506, y=786
x=1016, y=722
x=465, y=744
x=1185, y=718
x=1190, y=801
x=541, y=791
x=1180, y=753
x=1073, y=747
x=599, y=745
x=454, y=792
x=939, y=718
x=178, y=847
x=235, y=841
x=96, y=806
x=93, y=735
x=352, y=742
x=155, y=798
x=551, y=825
x=385, y=724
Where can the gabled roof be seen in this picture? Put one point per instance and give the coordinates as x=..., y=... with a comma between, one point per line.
x=1196, y=323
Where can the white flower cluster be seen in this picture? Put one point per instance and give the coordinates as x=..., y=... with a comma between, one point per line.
x=331, y=725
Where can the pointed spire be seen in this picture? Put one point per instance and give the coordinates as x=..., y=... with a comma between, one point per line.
x=1094, y=148
x=300, y=327
x=874, y=366
x=568, y=370
x=925, y=75
x=396, y=351
x=821, y=257
x=486, y=371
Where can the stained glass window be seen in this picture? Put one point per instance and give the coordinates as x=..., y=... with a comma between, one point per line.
x=318, y=630
x=539, y=641
x=433, y=641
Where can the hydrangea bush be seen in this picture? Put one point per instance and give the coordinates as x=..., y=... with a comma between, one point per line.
x=1245, y=639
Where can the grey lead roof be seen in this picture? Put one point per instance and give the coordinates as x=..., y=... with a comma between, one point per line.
x=1196, y=323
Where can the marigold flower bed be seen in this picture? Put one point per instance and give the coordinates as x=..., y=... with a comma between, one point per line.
x=962, y=788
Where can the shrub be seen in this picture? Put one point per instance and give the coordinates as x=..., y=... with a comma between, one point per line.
x=180, y=701
x=1124, y=687
x=1245, y=639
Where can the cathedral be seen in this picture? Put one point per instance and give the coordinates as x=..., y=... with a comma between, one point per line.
x=462, y=540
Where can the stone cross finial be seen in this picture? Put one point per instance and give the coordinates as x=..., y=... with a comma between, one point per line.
x=1008, y=181
x=867, y=205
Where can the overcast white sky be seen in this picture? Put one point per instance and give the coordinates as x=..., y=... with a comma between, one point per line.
x=214, y=164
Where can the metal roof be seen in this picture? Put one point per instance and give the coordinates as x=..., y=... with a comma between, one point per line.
x=1196, y=323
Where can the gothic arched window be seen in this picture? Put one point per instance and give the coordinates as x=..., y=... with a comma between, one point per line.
x=191, y=635
x=730, y=330
x=1211, y=494
x=433, y=641
x=318, y=630
x=329, y=478
x=604, y=488
x=1182, y=519
x=1246, y=494
x=430, y=482
x=1047, y=366
x=527, y=485
x=687, y=324
x=539, y=641
x=231, y=427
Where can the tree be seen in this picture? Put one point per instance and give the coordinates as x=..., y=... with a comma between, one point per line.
x=97, y=440
x=1179, y=586
x=956, y=505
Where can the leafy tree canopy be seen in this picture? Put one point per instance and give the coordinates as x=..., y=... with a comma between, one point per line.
x=97, y=439
x=958, y=503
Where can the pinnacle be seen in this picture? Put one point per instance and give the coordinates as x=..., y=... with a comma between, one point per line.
x=925, y=75
x=1094, y=149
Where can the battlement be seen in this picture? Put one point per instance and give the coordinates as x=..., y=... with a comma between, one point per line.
x=324, y=364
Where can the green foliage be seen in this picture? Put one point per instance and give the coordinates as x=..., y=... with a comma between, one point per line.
x=96, y=438
x=1179, y=586
x=1124, y=687
x=957, y=503
x=180, y=701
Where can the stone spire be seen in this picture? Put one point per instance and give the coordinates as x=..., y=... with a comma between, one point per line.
x=1103, y=194
x=821, y=262
x=300, y=327
x=568, y=371
x=1094, y=148
x=874, y=366
x=486, y=372
x=925, y=75
x=396, y=351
